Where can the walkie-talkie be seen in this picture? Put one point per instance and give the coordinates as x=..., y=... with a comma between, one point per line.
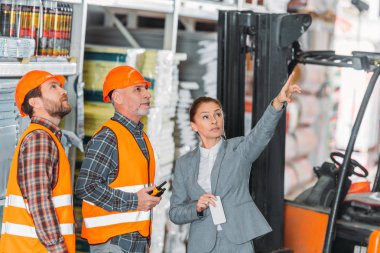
x=158, y=190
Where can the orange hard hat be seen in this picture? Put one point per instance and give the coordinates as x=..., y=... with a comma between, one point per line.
x=121, y=77
x=32, y=80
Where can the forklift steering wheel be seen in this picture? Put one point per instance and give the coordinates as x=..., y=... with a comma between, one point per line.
x=352, y=163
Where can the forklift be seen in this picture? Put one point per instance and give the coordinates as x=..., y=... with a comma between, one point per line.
x=272, y=42
x=324, y=218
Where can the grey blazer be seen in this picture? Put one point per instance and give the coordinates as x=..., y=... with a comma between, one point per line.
x=230, y=181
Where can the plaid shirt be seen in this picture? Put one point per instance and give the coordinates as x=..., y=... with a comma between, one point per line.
x=37, y=176
x=100, y=168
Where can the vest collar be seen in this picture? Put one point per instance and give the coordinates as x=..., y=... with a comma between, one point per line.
x=129, y=124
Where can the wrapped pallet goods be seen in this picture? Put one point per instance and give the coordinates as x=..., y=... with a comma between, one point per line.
x=207, y=54
x=160, y=67
x=301, y=145
x=186, y=139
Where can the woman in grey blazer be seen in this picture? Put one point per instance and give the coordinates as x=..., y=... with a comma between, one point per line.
x=221, y=168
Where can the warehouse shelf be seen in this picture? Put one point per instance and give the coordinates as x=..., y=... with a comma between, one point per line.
x=72, y=1
x=17, y=69
x=164, y=6
x=202, y=9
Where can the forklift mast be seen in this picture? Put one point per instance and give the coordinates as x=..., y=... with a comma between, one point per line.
x=268, y=38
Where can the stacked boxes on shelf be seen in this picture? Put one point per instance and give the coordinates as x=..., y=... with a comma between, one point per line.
x=301, y=135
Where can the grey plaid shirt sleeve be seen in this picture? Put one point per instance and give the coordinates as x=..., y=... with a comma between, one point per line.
x=99, y=169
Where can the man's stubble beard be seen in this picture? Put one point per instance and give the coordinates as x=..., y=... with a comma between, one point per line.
x=57, y=110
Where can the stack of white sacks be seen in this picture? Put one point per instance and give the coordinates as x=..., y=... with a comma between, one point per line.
x=208, y=57
x=187, y=139
x=161, y=115
x=207, y=54
x=303, y=118
x=160, y=130
x=309, y=117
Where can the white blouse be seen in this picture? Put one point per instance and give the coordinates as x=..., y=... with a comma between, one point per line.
x=208, y=157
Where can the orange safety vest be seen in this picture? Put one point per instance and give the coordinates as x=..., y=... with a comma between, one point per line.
x=135, y=172
x=18, y=233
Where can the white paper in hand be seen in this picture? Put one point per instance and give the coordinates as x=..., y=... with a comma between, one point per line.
x=217, y=212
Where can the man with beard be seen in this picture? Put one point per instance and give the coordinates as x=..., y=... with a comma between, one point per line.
x=38, y=213
x=118, y=170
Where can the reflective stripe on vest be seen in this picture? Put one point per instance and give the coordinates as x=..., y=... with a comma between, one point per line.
x=113, y=219
x=18, y=201
x=133, y=189
x=28, y=231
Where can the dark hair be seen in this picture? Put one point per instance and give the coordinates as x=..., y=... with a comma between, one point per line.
x=201, y=100
x=26, y=107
